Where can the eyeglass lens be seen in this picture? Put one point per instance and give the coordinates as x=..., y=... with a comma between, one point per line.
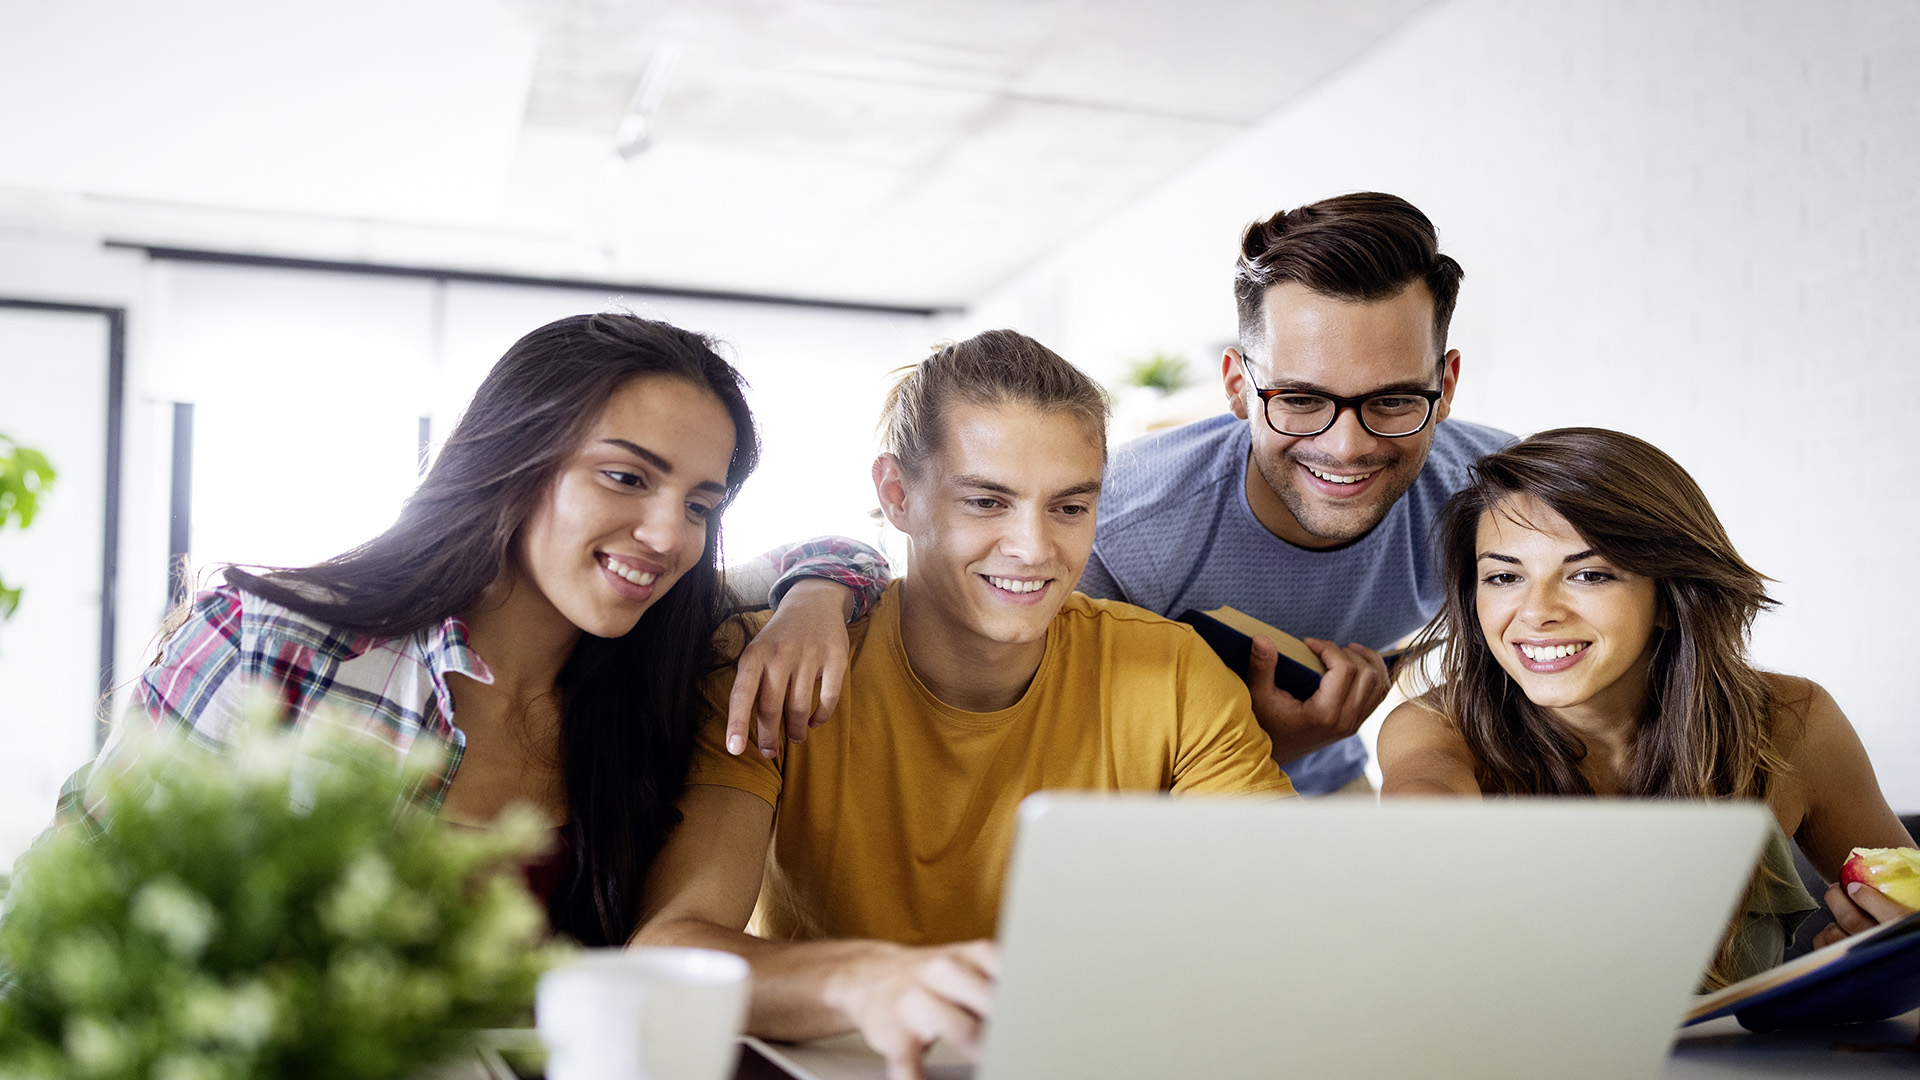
x=1383, y=414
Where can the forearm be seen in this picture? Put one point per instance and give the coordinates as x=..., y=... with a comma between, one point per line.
x=802, y=990
x=830, y=595
x=1290, y=745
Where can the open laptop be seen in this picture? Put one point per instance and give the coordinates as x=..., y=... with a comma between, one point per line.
x=1151, y=937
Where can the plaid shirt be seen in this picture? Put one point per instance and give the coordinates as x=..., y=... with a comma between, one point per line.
x=234, y=643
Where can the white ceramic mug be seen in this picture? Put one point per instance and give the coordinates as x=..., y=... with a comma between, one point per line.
x=643, y=1014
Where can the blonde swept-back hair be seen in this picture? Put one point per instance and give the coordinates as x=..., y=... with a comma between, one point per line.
x=998, y=367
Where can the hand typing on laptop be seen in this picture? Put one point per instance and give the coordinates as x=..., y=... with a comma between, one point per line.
x=870, y=857
x=903, y=999
x=900, y=998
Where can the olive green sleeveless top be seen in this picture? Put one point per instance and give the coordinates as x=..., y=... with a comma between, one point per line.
x=1777, y=903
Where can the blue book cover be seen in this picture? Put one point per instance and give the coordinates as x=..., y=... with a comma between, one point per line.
x=1870, y=976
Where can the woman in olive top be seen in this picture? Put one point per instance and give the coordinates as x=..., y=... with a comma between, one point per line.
x=1594, y=640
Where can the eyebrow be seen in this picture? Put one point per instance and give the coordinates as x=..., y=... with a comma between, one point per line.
x=661, y=463
x=1085, y=487
x=1316, y=388
x=1573, y=558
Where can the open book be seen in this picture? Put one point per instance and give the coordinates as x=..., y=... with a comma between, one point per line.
x=1230, y=633
x=1872, y=975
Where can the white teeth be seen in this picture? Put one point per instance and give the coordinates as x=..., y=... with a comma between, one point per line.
x=1538, y=653
x=1333, y=479
x=1010, y=585
x=638, y=577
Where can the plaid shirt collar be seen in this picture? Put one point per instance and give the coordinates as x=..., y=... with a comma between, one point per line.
x=445, y=651
x=448, y=653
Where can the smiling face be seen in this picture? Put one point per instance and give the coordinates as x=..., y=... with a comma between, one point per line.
x=1334, y=487
x=627, y=514
x=1571, y=629
x=999, y=521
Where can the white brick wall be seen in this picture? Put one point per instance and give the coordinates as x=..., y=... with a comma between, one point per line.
x=1696, y=221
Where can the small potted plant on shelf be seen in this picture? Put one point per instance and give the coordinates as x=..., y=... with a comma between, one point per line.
x=1163, y=373
x=279, y=909
x=25, y=476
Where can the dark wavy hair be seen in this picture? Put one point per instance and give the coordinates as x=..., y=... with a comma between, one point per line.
x=1706, y=728
x=627, y=703
x=1364, y=246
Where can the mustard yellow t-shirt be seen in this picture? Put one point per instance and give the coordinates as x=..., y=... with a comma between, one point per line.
x=894, y=820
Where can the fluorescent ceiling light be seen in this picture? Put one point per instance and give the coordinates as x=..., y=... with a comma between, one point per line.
x=636, y=128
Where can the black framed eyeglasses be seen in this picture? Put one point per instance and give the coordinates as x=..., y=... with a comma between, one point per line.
x=1300, y=414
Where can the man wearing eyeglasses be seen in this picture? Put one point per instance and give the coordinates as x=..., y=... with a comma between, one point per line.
x=1307, y=507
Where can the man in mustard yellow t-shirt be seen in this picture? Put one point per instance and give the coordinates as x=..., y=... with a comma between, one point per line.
x=977, y=679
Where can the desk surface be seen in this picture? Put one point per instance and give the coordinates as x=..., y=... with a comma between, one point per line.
x=1722, y=1048
x=1716, y=1049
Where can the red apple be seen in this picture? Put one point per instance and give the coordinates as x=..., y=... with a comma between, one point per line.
x=1895, y=871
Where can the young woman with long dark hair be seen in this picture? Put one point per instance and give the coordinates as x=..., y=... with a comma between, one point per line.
x=1593, y=641
x=552, y=584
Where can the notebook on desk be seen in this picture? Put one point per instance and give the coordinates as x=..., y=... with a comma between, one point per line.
x=1151, y=937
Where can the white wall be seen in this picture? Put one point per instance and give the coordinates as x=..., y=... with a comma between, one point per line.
x=77, y=270
x=307, y=390
x=53, y=394
x=48, y=657
x=1695, y=221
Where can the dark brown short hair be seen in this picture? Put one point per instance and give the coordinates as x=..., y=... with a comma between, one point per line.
x=998, y=367
x=1365, y=246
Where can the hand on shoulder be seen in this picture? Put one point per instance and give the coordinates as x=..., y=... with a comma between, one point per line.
x=787, y=680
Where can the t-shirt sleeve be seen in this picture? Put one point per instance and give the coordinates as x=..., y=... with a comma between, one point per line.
x=711, y=763
x=1222, y=749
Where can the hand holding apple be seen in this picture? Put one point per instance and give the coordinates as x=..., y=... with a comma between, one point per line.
x=1893, y=871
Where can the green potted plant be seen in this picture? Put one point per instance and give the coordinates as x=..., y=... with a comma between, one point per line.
x=1163, y=372
x=25, y=475
x=278, y=909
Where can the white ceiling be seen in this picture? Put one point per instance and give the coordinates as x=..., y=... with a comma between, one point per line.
x=895, y=151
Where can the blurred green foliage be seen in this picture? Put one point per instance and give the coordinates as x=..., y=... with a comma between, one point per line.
x=1161, y=371
x=280, y=908
x=25, y=475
